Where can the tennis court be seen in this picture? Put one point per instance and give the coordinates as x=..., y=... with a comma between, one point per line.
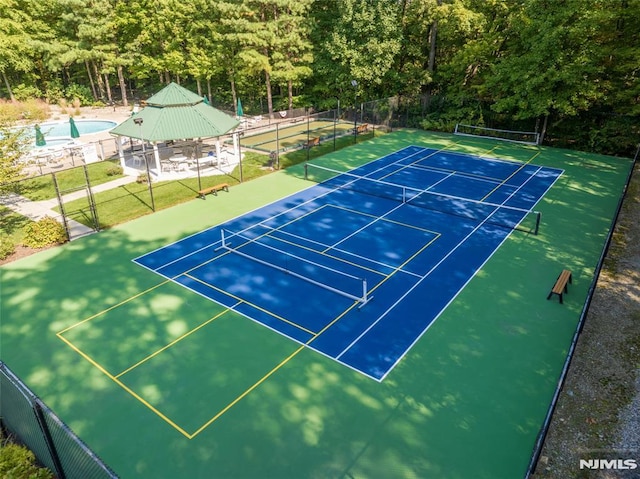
x=339, y=266
x=283, y=138
x=235, y=337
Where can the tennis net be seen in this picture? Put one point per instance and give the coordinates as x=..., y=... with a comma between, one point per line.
x=524, y=137
x=313, y=272
x=480, y=211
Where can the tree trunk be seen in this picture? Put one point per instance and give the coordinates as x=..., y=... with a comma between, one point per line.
x=209, y=90
x=93, y=85
x=432, y=43
x=99, y=79
x=544, y=130
x=290, y=92
x=123, y=86
x=108, y=87
x=6, y=83
x=267, y=82
x=234, y=94
x=199, y=86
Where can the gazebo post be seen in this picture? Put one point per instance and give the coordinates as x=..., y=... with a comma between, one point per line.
x=218, y=152
x=236, y=145
x=120, y=153
x=156, y=156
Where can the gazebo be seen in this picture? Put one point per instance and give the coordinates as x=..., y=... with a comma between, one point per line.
x=174, y=114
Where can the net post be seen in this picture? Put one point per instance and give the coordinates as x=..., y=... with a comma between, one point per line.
x=306, y=171
x=537, y=228
x=365, y=298
x=364, y=290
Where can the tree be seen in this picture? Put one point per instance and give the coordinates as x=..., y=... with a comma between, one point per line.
x=363, y=40
x=14, y=143
x=15, y=42
x=553, y=63
x=291, y=52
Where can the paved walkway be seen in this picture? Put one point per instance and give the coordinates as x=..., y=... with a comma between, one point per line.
x=36, y=210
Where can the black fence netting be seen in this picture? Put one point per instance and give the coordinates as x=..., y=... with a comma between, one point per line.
x=31, y=422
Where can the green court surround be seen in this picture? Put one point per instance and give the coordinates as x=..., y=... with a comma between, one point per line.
x=467, y=401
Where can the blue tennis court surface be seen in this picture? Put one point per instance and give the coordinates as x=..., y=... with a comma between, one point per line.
x=359, y=266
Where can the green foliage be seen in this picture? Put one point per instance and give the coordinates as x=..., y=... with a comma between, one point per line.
x=7, y=245
x=24, y=92
x=114, y=170
x=18, y=462
x=79, y=92
x=53, y=93
x=528, y=60
x=142, y=178
x=44, y=232
x=14, y=143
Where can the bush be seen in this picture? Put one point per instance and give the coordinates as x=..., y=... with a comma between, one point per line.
x=35, y=110
x=19, y=462
x=7, y=246
x=31, y=110
x=78, y=95
x=54, y=92
x=24, y=92
x=44, y=232
x=114, y=170
x=142, y=178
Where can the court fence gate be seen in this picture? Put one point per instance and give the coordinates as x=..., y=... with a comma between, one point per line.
x=32, y=423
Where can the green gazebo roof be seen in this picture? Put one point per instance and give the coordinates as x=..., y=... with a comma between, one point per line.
x=176, y=113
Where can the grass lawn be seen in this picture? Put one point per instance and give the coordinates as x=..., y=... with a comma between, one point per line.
x=133, y=200
x=43, y=188
x=13, y=224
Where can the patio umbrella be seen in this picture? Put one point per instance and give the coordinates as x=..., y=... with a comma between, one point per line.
x=74, y=129
x=40, y=140
x=239, y=111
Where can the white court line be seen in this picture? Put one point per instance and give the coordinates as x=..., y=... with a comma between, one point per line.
x=288, y=210
x=393, y=306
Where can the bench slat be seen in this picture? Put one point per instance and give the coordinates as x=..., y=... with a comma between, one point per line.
x=213, y=189
x=560, y=286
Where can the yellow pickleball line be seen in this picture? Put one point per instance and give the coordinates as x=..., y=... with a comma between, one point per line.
x=123, y=386
x=175, y=341
x=510, y=176
x=270, y=373
x=241, y=300
x=114, y=306
x=245, y=393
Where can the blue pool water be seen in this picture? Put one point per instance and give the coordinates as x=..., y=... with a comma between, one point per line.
x=85, y=127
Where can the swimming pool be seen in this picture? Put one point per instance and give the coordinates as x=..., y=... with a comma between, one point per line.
x=85, y=127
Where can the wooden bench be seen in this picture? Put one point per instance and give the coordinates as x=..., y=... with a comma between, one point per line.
x=312, y=142
x=362, y=128
x=213, y=189
x=561, y=284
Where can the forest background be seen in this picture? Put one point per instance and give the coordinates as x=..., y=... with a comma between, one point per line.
x=568, y=70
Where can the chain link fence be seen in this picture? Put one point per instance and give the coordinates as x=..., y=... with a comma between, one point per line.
x=27, y=418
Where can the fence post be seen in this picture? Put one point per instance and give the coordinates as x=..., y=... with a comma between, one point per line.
x=37, y=409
